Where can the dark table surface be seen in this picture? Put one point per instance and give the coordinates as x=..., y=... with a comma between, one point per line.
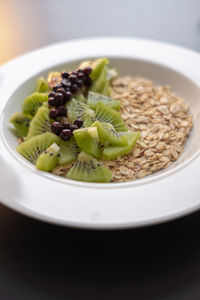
x=43, y=261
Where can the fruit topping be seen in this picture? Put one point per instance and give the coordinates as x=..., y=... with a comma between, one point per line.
x=66, y=134
x=70, y=118
x=54, y=113
x=94, y=98
x=21, y=123
x=57, y=127
x=88, y=140
x=87, y=168
x=34, y=146
x=48, y=159
x=42, y=85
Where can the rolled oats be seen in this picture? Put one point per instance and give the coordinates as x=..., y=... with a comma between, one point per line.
x=163, y=121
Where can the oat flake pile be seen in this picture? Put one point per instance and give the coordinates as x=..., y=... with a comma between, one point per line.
x=164, y=123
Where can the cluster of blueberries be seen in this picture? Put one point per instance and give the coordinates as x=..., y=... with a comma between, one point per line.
x=65, y=129
x=71, y=83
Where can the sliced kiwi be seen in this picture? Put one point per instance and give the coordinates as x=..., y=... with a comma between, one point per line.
x=88, y=121
x=94, y=98
x=21, y=123
x=80, y=98
x=109, y=136
x=97, y=67
x=99, y=83
x=42, y=85
x=78, y=110
x=48, y=159
x=33, y=102
x=53, y=78
x=100, y=80
x=111, y=74
x=106, y=89
x=87, y=168
x=108, y=115
x=68, y=151
x=40, y=123
x=88, y=140
x=34, y=146
x=113, y=152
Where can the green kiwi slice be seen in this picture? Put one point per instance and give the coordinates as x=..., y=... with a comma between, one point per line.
x=68, y=151
x=88, y=140
x=106, y=89
x=94, y=98
x=40, y=123
x=113, y=152
x=80, y=98
x=34, y=146
x=42, y=85
x=108, y=115
x=87, y=168
x=88, y=121
x=21, y=123
x=48, y=159
x=99, y=83
x=97, y=66
x=33, y=102
x=99, y=76
x=77, y=110
x=109, y=136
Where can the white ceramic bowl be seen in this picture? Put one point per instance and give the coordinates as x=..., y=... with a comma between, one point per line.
x=162, y=196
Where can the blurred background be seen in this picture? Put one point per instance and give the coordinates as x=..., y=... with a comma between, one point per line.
x=28, y=24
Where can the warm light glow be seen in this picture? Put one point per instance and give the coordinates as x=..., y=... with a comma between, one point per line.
x=8, y=39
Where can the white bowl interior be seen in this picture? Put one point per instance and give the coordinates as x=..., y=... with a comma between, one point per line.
x=159, y=74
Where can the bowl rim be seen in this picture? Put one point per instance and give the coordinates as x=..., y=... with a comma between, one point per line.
x=4, y=71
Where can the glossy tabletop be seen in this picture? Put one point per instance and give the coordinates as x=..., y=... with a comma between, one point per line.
x=42, y=261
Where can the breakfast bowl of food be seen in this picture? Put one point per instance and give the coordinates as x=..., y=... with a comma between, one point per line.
x=101, y=133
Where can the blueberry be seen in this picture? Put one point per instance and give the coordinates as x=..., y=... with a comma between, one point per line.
x=74, y=88
x=52, y=94
x=61, y=90
x=68, y=85
x=74, y=127
x=68, y=96
x=79, y=83
x=56, y=127
x=64, y=82
x=88, y=82
x=51, y=101
x=74, y=73
x=79, y=123
x=87, y=70
x=81, y=75
x=56, y=87
x=65, y=75
x=62, y=111
x=59, y=97
x=73, y=78
x=67, y=125
x=65, y=134
x=53, y=113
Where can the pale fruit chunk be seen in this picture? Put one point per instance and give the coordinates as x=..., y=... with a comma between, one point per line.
x=48, y=159
x=87, y=139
